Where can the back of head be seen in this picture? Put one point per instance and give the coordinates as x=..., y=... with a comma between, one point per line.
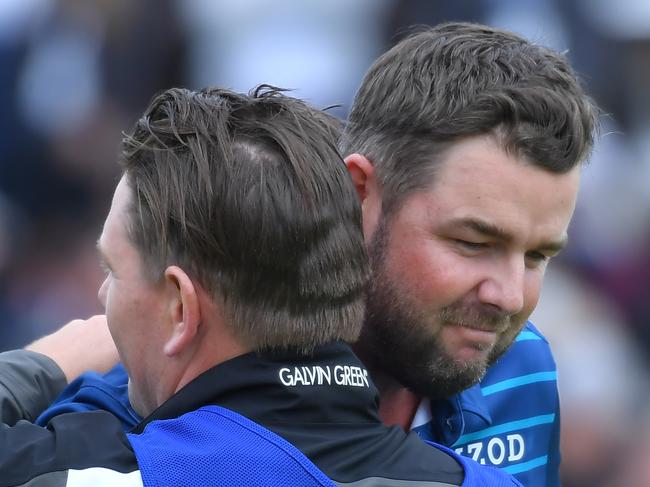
x=249, y=195
x=458, y=80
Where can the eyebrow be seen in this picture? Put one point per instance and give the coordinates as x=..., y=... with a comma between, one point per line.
x=493, y=231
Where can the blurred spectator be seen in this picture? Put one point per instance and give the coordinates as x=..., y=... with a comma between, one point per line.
x=70, y=61
x=320, y=49
x=601, y=376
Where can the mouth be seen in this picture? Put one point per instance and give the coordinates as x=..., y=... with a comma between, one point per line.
x=483, y=338
x=470, y=340
x=477, y=327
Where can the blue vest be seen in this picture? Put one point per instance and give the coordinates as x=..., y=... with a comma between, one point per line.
x=216, y=446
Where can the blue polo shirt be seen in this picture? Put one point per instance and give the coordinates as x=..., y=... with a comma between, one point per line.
x=510, y=420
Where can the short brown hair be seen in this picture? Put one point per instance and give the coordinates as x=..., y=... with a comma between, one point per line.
x=249, y=195
x=458, y=80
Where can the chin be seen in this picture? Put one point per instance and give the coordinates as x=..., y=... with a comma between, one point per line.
x=446, y=374
x=469, y=357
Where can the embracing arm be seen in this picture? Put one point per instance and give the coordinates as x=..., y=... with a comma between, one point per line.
x=78, y=449
x=29, y=382
x=31, y=379
x=79, y=346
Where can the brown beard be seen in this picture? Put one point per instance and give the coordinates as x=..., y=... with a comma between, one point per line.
x=399, y=341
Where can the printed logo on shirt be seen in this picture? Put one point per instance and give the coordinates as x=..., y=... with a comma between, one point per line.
x=317, y=375
x=496, y=450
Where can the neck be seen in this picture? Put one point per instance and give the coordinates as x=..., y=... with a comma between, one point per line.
x=208, y=357
x=212, y=345
x=397, y=405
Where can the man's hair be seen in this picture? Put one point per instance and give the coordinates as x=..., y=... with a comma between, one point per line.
x=457, y=80
x=250, y=196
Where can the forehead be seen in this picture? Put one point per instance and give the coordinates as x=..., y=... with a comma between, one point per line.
x=477, y=179
x=113, y=240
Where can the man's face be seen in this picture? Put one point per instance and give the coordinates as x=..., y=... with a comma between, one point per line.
x=459, y=267
x=134, y=308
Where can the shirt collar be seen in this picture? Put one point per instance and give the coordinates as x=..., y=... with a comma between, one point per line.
x=445, y=420
x=473, y=401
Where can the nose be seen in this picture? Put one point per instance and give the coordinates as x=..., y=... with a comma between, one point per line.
x=101, y=293
x=503, y=287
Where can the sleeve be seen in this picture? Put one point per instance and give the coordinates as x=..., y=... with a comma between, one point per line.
x=92, y=391
x=78, y=449
x=29, y=382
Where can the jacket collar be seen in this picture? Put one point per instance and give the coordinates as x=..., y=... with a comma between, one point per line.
x=330, y=385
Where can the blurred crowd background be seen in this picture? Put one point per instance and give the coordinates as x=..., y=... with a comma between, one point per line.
x=75, y=73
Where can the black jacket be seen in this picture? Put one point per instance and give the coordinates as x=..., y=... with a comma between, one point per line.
x=324, y=404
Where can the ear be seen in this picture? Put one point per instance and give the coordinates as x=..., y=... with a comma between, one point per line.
x=185, y=311
x=365, y=181
x=362, y=173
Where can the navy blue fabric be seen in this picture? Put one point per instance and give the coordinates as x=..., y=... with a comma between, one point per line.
x=216, y=446
x=510, y=420
x=92, y=391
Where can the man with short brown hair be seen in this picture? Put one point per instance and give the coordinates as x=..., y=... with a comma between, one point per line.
x=465, y=144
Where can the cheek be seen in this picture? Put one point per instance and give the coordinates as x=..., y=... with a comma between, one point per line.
x=103, y=289
x=111, y=297
x=119, y=314
x=429, y=273
x=113, y=318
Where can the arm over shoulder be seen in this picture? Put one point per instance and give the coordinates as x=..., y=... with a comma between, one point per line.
x=29, y=382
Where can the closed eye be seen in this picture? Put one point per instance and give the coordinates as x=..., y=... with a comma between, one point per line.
x=537, y=258
x=471, y=245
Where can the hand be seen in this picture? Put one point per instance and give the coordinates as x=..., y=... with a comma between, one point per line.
x=79, y=346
